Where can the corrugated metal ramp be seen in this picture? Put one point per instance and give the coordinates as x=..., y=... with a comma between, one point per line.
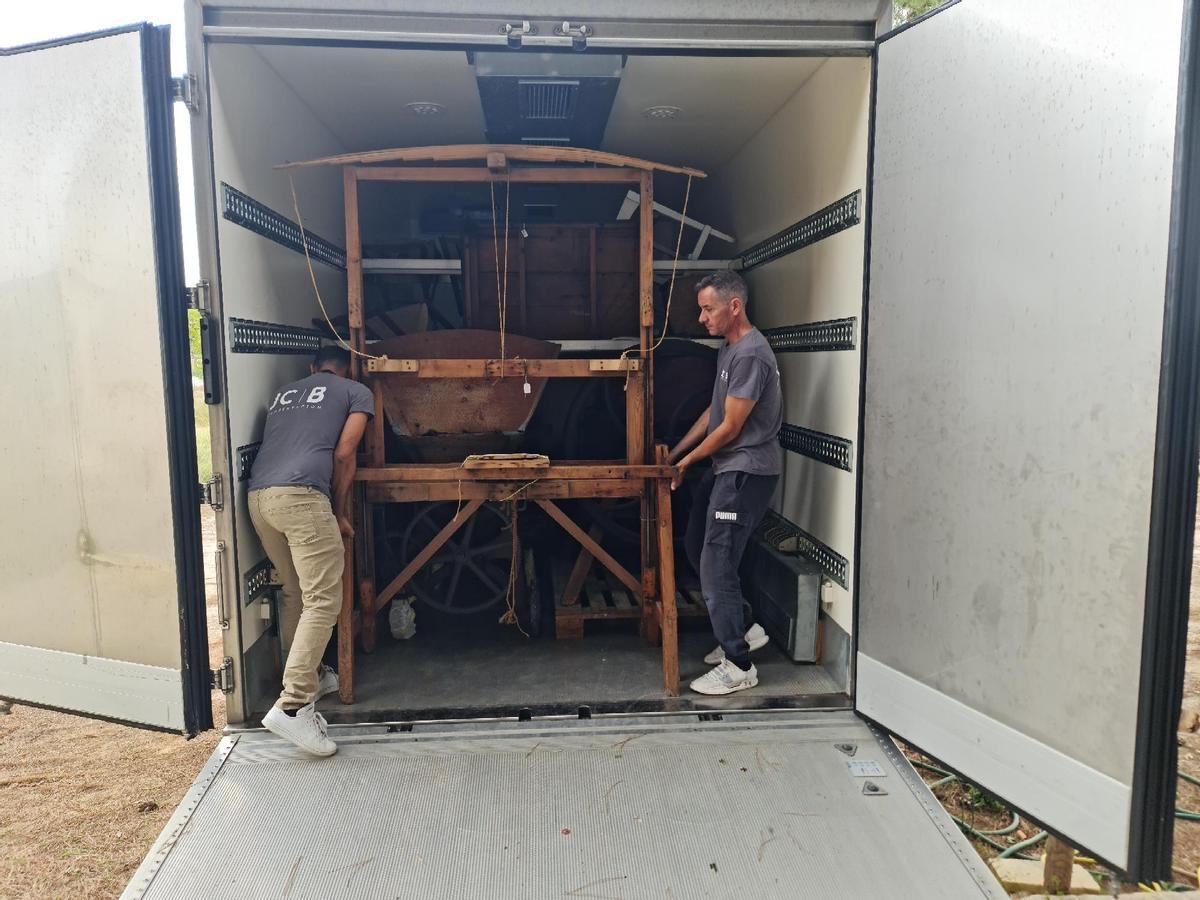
x=756, y=806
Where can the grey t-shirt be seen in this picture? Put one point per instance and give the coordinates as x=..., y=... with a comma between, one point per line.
x=304, y=421
x=747, y=370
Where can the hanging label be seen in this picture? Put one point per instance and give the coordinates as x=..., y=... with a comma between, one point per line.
x=528, y=388
x=865, y=768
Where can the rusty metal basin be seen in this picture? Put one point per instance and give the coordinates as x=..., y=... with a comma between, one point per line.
x=424, y=406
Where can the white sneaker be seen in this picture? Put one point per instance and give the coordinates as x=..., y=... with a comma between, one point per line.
x=726, y=678
x=307, y=729
x=756, y=637
x=328, y=682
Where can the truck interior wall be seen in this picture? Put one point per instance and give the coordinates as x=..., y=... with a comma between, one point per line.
x=258, y=121
x=812, y=152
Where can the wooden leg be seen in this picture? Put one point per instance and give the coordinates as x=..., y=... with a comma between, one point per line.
x=369, y=615
x=650, y=630
x=345, y=629
x=568, y=628
x=1059, y=864
x=579, y=571
x=668, y=616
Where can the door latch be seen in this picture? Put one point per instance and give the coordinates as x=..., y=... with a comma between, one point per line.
x=516, y=32
x=213, y=493
x=185, y=90
x=222, y=679
x=577, y=33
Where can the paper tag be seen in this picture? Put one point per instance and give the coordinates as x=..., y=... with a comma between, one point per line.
x=528, y=388
x=865, y=768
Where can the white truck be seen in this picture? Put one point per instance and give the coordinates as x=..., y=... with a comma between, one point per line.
x=973, y=244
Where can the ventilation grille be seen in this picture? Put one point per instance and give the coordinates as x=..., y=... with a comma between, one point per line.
x=788, y=537
x=547, y=99
x=827, y=448
x=261, y=219
x=834, y=334
x=266, y=337
x=246, y=454
x=257, y=581
x=835, y=217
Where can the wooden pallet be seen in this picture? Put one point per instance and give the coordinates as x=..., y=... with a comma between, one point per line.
x=604, y=597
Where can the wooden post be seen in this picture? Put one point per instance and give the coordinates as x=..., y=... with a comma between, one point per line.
x=1060, y=862
x=668, y=615
x=345, y=627
x=354, y=284
x=635, y=416
x=521, y=283
x=375, y=434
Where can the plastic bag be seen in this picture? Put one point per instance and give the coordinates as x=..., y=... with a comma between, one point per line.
x=402, y=618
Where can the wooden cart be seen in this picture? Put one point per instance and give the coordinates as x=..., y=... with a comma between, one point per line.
x=643, y=473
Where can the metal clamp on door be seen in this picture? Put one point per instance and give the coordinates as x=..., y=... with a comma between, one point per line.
x=516, y=33
x=577, y=33
x=222, y=610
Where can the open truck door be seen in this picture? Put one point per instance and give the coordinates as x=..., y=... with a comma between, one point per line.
x=1028, y=457
x=102, y=606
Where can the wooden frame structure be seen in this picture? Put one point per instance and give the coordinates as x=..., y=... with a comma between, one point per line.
x=643, y=474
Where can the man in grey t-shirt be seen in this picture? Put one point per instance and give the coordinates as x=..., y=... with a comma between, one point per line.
x=740, y=432
x=298, y=498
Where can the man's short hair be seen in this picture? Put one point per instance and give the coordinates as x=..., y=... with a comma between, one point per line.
x=727, y=283
x=332, y=355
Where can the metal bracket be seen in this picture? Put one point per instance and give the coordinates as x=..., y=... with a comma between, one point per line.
x=213, y=493
x=516, y=32
x=871, y=789
x=222, y=679
x=186, y=90
x=577, y=33
x=197, y=297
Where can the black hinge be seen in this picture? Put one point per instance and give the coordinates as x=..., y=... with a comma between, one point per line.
x=222, y=679
x=213, y=493
x=197, y=297
x=185, y=89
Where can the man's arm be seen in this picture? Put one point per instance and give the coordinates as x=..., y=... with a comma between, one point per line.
x=692, y=438
x=345, y=464
x=737, y=410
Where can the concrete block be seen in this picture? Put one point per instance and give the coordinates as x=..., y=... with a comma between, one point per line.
x=1025, y=875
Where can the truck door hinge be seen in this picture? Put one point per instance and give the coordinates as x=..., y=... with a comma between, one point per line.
x=197, y=297
x=186, y=91
x=213, y=493
x=516, y=32
x=577, y=33
x=222, y=679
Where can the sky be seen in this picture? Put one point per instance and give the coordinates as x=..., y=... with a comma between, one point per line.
x=30, y=22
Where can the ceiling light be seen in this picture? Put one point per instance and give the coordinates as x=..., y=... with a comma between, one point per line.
x=661, y=112
x=425, y=108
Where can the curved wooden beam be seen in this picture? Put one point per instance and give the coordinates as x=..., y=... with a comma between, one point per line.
x=463, y=152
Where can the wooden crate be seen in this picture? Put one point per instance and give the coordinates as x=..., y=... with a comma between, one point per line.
x=604, y=597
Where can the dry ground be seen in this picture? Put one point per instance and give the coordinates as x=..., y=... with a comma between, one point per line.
x=82, y=801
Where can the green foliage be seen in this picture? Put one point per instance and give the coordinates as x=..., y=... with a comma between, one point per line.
x=907, y=10
x=977, y=799
x=194, y=341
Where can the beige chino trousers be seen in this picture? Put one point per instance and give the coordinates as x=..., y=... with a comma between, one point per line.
x=300, y=534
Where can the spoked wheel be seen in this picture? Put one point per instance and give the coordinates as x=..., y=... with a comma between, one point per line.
x=470, y=572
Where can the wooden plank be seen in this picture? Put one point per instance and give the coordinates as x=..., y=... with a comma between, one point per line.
x=505, y=368
x=592, y=546
x=646, y=253
x=621, y=597
x=502, y=490
x=529, y=175
x=377, y=447
x=415, y=564
x=579, y=571
x=367, y=615
x=345, y=627
x=354, y=285
x=668, y=619
x=583, y=471
x=635, y=417
x=461, y=152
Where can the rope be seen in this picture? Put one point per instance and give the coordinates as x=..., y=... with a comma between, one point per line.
x=501, y=281
x=509, y=616
x=313, y=275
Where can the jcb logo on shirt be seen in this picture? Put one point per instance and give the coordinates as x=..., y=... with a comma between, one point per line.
x=289, y=398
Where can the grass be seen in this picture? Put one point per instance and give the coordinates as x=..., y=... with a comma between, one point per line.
x=203, y=437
